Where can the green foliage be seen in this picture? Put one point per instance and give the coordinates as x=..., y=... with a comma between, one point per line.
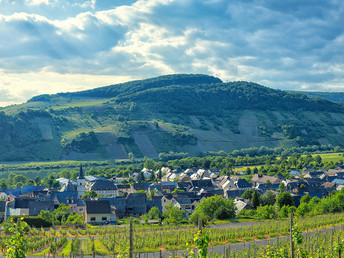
x=201, y=241
x=90, y=195
x=215, y=207
x=174, y=215
x=284, y=199
x=154, y=213
x=266, y=212
x=84, y=142
x=17, y=245
x=63, y=215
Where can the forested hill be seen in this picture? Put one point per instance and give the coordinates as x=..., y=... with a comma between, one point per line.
x=132, y=87
x=186, y=114
x=332, y=96
x=199, y=94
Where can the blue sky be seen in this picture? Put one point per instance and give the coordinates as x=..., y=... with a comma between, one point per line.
x=49, y=46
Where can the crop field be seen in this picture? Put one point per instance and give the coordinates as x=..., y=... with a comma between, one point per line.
x=113, y=240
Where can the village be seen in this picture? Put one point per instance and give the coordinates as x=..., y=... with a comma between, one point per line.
x=183, y=190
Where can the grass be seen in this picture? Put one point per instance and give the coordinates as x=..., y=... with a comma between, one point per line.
x=328, y=157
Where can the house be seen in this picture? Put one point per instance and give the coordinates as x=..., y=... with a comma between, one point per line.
x=185, y=204
x=241, y=203
x=242, y=184
x=19, y=206
x=123, y=189
x=262, y=179
x=156, y=187
x=120, y=205
x=140, y=186
x=98, y=212
x=184, y=178
x=146, y=172
x=136, y=204
x=294, y=173
x=3, y=195
x=155, y=202
x=168, y=187
x=104, y=188
x=70, y=198
x=233, y=193
x=202, y=183
x=2, y=210
x=37, y=206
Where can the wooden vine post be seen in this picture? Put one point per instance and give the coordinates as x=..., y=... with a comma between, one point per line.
x=291, y=236
x=131, y=243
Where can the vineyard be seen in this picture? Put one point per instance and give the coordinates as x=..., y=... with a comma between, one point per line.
x=112, y=240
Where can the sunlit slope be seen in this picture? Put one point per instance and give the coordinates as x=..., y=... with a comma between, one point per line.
x=179, y=113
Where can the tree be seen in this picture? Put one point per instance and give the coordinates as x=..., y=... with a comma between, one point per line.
x=318, y=159
x=215, y=207
x=90, y=195
x=149, y=164
x=247, y=194
x=37, y=180
x=284, y=199
x=248, y=171
x=269, y=198
x=152, y=177
x=255, y=200
x=173, y=214
x=305, y=199
x=154, y=213
x=281, y=187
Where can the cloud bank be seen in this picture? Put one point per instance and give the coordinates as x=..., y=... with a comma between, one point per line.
x=47, y=44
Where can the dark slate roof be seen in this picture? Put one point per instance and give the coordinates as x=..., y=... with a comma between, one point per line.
x=121, y=186
x=22, y=203
x=184, y=185
x=136, y=203
x=68, y=187
x=36, y=207
x=81, y=173
x=98, y=206
x=102, y=185
x=63, y=196
x=234, y=193
x=242, y=183
x=120, y=205
x=182, y=201
x=154, y=203
x=202, y=183
x=155, y=186
x=141, y=186
x=2, y=206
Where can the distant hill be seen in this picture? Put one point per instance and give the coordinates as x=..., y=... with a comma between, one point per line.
x=332, y=96
x=173, y=113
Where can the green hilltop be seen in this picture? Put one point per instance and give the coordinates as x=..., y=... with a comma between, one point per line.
x=173, y=113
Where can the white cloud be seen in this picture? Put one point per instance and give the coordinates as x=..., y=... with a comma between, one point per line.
x=283, y=45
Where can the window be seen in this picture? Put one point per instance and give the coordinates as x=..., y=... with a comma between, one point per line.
x=104, y=218
x=93, y=218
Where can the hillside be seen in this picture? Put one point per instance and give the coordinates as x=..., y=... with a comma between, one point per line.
x=332, y=96
x=178, y=113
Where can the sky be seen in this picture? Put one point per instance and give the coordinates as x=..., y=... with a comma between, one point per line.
x=50, y=46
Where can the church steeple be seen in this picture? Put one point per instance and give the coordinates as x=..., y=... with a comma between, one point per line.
x=81, y=173
x=81, y=182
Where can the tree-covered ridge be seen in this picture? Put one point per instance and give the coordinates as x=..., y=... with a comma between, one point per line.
x=131, y=87
x=218, y=98
x=332, y=96
x=189, y=114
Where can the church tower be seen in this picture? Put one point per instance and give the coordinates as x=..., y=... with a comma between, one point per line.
x=81, y=183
